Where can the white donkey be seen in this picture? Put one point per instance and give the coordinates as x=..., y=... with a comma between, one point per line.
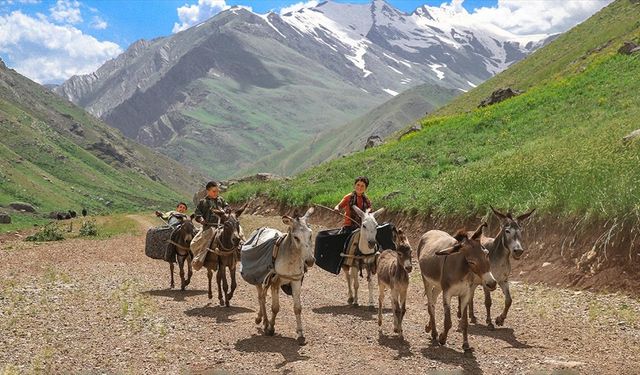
x=292, y=255
x=362, y=255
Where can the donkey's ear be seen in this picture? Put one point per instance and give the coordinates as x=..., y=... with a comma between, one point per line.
x=358, y=211
x=378, y=212
x=478, y=231
x=460, y=235
x=296, y=213
x=287, y=220
x=450, y=250
x=524, y=217
x=499, y=214
x=241, y=210
x=191, y=217
x=309, y=212
x=218, y=212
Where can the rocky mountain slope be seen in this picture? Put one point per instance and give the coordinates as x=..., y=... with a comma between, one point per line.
x=55, y=156
x=242, y=86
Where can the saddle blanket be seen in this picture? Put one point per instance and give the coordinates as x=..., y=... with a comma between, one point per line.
x=256, y=257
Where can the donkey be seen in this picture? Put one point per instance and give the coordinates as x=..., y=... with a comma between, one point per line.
x=449, y=264
x=292, y=255
x=225, y=253
x=507, y=243
x=367, y=248
x=393, y=271
x=180, y=240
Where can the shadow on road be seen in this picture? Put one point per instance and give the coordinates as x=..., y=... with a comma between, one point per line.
x=176, y=294
x=288, y=347
x=220, y=313
x=395, y=343
x=363, y=312
x=505, y=334
x=444, y=354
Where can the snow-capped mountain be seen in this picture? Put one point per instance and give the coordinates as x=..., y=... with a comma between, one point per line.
x=253, y=84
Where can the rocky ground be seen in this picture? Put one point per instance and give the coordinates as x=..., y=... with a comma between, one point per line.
x=102, y=306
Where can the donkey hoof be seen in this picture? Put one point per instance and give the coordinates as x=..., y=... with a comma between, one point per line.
x=499, y=321
x=258, y=320
x=183, y=287
x=490, y=326
x=221, y=302
x=442, y=340
x=355, y=304
x=350, y=301
x=302, y=341
x=187, y=282
x=210, y=296
x=269, y=331
x=226, y=303
x=473, y=320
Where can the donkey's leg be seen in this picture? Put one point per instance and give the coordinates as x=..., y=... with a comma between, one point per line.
x=219, y=276
x=234, y=284
x=381, y=289
x=189, y=270
x=464, y=323
x=446, y=303
x=397, y=310
x=472, y=315
x=181, y=265
x=356, y=283
x=432, y=295
x=347, y=275
x=370, y=284
x=297, y=310
x=504, y=285
x=171, y=269
x=487, y=304
x=275, y=307
x=210, y=276
x=403, y=304
x=261, y=303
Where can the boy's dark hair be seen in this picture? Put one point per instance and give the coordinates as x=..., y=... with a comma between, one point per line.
x=182, y=203
x=364, y=179
x=211, y=184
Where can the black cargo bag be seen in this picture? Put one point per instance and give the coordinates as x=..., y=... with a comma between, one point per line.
x=156, y=242
x=384, y=237
x=329, y=245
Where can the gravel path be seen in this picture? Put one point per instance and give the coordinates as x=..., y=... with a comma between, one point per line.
x=102, y=306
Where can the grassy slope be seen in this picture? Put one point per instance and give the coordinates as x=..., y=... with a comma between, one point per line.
x=383, y=120
x=557, y=147
x=43, y=163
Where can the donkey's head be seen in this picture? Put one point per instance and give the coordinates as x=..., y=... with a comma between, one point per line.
x=368, y=226
x=185, y=231
x=231, y=224
x=403, y=248
x=475, y=255
x=512, y=231
x=300, y=234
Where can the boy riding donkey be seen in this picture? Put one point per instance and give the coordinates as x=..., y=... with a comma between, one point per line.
x=210, y=221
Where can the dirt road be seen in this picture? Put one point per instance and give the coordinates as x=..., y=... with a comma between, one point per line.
x=102, y=306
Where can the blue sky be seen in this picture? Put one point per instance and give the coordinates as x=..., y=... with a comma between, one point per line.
x=51, y=40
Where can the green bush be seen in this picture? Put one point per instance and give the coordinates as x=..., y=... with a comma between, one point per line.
x=49, y=232
x=89, y=229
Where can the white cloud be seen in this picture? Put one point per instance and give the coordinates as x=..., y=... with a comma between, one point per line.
x=66, y=11
x=48, y=53
x=190, y=15
x=526, y=17
x=298, y=6
x=98, y=23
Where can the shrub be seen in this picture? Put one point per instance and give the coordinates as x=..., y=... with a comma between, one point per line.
x=89, y=228
x=49, y=232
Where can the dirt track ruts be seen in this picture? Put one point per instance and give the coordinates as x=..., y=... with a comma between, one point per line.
x=102, y=306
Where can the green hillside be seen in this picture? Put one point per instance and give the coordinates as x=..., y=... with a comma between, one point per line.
x=384, y=120
x=557, y=147
x=57, y=157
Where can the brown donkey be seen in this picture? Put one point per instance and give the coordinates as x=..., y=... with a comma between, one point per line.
x=225, y=253
x=450, y=264
x=180, y=239
x=393, y=271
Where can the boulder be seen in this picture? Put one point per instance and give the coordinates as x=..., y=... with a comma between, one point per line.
x=413, y=129
x=499, y=95
x=5, y=218
x=21, y=206
x=629, y=48
x=373, y=141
